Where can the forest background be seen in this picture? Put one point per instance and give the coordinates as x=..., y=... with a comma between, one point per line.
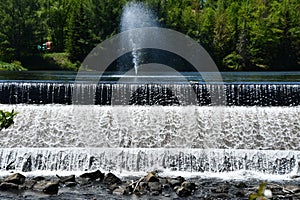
x=246, y=35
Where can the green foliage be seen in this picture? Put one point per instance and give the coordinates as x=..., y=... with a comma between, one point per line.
x=239, y=35
x=6, y=119
x=14, y=66
x=59, y=61
x=80, y=35
x=260, y=193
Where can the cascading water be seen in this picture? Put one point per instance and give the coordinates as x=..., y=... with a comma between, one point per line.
x=155, y=127
x=137, y=15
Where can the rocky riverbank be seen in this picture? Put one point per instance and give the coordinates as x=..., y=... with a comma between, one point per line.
x=97, y=185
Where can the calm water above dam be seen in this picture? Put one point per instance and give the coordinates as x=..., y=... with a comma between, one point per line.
x=228, y=77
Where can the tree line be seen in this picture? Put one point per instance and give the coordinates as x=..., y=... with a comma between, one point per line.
x=239, y=35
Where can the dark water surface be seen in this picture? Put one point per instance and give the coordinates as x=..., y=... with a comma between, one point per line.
x=228, y=77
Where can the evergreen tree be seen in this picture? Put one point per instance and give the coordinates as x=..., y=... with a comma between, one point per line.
x=21, y=28
x=80, y=37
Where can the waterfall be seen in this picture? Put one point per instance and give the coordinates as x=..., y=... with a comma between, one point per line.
x=137, y=138
x=150, y=94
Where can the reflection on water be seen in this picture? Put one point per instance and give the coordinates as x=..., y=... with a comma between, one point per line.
x=228, y=77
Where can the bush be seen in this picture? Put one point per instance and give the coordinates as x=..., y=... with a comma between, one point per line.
x=6, y=119
x=14, y=66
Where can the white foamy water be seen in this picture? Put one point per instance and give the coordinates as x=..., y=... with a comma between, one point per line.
x=239, y=141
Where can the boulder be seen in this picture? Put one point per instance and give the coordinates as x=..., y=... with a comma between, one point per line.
x=48, y=187
x=185, y=189
x=16, y=178
x=93, y=175
x=111, y=179
x=183, y=192
x=29, y=184
x=9, y=186
x=155, y=186
x=151, y=177
x=119, y=191
x=64, y=179
x=70, y=184
x=188, y=185
x=51, y=188
x=173, y=182
x=39, y=178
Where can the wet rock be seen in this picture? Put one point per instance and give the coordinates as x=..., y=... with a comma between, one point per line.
x=155, y=186
x=48, y=187
x=9, y=186
x=39, y=178
x=221, y=189
x=16, y=178
x=140, y=187
x=222, y=196
x=174, y=182
x=29, y=184
x=154, y=193
x=70, y=184
x=186, y=189
x=119, y=191
x=113, y=186
x=241, y=185
x=151, y=177
x=64, y=179
x=294, y=176
x=183, y=192
x=111, y=179
x=188, y=185
x=292, y=189
x=93, y=175
x=83, y=181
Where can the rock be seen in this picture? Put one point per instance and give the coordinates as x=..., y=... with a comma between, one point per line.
x=166, y=194
x=154, y=193
x=39, y=178
x=151, y=177
x=29, y=184
x=113, y=186
x=183, y=192
x=174, y=182
x=140, y=188
x=70, y=184
x=9, y=186
x=185, y=189
x=111, y=179
x=16, y=178
x=292, y=189
x=221, y=189
x=155, y=186
x=119, y=191
x=222, y=196
x=48, y=187
x=64, y=179
x=93, y=175
x=51, y=188
x=83, y=181
x=294, y=176
x=241, y=185
x=188, y=185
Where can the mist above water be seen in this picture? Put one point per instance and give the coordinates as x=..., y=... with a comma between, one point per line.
x=136, y=15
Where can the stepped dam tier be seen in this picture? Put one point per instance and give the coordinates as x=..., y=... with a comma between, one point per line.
x=138, y=138
x=231, y=94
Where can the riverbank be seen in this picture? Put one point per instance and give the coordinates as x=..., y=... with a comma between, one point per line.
x=153, y=185
x=45, y=61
